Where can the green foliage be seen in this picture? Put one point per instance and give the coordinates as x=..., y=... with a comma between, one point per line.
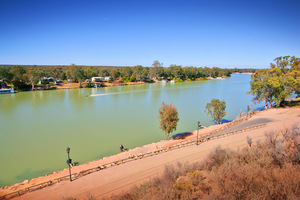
x=168, y=118
x=31, y=74
x=126, y=71
x=216, y=109
x=77, y=74
x=178, y=80
x=125, y=79
x=132, y=79
x=5, y=74
x=115, y=73
x=19, y=79
x=279, y=82
x=138, y=72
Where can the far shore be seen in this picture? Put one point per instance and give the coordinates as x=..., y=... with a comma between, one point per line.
x=71, y=85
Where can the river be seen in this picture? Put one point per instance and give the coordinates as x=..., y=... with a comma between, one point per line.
x=37, y=127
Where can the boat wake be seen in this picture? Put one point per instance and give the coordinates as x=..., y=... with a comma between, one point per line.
x=114, y=93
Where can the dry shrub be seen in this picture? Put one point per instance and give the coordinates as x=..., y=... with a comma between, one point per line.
x=249, y=141
x=267, y=170
x=291, y=140
x=217, y=157
x=234, y=180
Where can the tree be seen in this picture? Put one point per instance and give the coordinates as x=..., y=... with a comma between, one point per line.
x=279, y=82
x=5, y=74
x=77, y=74
x=168, y=118
x=19, y=78
x=138, y=72
x=34, y=74
x=156, y=70
x=216, y=109
x=115, y=73
x=176, y=71
x=89, y=73
x=126, y=71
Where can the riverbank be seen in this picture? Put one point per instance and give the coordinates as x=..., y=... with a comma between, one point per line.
x=63, y=86
x=120, y=178
x=277, y=118
x=117, y=157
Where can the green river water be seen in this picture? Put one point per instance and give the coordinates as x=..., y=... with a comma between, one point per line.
x=37, y=127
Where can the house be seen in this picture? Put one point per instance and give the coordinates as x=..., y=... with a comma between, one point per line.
x=46, y=80
x=98, y=79
x=107, y=78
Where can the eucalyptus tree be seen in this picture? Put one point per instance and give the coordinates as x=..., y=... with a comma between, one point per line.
x=156, y=70
x=176, y=71
x=77, y=74
x=168, y=118
x=19, y=78
x=89, y=72
x=138, y=72
x=115, y=73
x=216, y=109
x=34, y=75
x=126, y=71
x=277, y=83
x=5, y=74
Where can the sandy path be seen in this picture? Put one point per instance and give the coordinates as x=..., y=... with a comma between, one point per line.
x=120, y=178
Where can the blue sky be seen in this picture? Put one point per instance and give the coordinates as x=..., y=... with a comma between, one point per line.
x=197, y=33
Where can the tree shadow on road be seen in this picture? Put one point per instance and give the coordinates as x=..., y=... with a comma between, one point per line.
x=180, y=136
x=223, y=121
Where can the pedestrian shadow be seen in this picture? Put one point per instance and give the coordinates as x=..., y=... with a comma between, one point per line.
x=180, y=136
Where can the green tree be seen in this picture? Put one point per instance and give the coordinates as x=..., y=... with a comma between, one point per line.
x=132, y=79
x=77, y=74
x=89, y=72
x=138, y=72
x=216, y=109
x=156, y=70
x=145, y=73
x=126, y=71
x=19, y=78
x=115, y=73
x=277, y=83
x=168, y=118
x=5, y=74
x=176, y=71
x=34, y=74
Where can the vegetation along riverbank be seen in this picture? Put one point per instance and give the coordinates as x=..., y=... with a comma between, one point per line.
x=27, y=77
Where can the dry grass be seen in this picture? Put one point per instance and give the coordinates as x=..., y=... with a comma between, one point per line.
x=269, y=170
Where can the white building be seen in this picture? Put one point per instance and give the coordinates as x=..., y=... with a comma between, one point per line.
x=98, y=79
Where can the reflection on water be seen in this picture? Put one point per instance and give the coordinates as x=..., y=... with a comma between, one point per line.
x=36, y=127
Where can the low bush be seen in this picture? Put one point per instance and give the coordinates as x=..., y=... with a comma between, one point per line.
x=178, y=80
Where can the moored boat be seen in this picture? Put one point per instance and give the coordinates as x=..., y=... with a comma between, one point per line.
x=7, y=91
